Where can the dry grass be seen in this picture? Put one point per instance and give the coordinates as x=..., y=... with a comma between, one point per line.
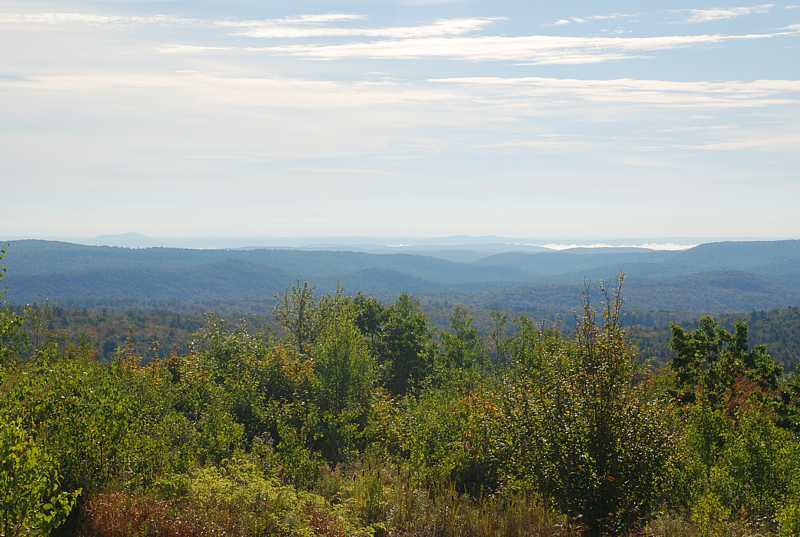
x=674, y=526
x=453, y=515
x=117, y=514
x=120, y=514
x=411, y=513
x=389, y=502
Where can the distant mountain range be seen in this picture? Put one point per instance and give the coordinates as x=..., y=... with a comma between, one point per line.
x=714, y=277
x=453, y=247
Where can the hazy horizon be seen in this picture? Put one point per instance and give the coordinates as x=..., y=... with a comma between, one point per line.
x=388, y=244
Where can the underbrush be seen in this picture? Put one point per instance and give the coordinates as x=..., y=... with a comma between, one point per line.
x=671, y=525
x=236, y=501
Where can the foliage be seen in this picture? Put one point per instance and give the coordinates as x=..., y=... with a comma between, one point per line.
x=10, y=324
x=588, y=432
x=446, y=435
x=405, y=346
x=31, y=499
x=346, y=377
x=736, y=455
x=234, y=499
x=297, y=313
x=461, y=347
x=712, y=362
x=361, y=418
x=745, y=464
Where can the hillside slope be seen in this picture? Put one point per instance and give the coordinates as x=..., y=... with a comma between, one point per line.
x=709, y=278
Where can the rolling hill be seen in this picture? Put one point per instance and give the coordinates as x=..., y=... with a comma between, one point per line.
x=716, y=277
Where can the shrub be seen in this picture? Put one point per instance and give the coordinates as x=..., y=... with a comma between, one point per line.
x=710, y=515
x=587, y=431
x=747, y=464
x=789, y=519
x=235, y=499
x=346, y=376
x=31, y=499
x=447, y=435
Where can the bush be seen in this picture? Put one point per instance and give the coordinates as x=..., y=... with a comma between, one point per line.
x=584, y=427
x=789, y=519
x=235, y=499
x=31, y=499
x=447, y=435
x=710, y=515
x=745, y=465
x=346, y=376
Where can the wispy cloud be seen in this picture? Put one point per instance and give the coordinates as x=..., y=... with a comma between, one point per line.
x=236, y=90
x=60, y=18
x=336, y=171
x=553, y=144
x=537, y=49
x=724, y=13
x=759, y=143
x=300, y=26
x=445, y=38
x=280, y=29
x=654, y=93
x=325, y=17
x=523, y=95
x=64, y=17
x=591, y=18
x=180, y=48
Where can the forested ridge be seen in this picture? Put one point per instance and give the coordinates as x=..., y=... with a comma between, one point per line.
x=356, y=416
x=710, y=278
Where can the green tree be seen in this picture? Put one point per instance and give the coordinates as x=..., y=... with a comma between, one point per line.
x=370, y=318
x=498, y=335
x=585, y=427
x=453, y=434
x=530, y=344
x=744, y=462
x=462, y=347
x=297, y=312
x=757, y=465
x=31, y=499
x=346, y=375
x=405, y=348
x=10, y=324
x=789, y=408
x=713, y=363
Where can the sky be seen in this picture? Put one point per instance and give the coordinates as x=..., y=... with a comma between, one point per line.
x=521, y=118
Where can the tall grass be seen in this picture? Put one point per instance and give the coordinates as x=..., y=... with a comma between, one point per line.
x=390, y=504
